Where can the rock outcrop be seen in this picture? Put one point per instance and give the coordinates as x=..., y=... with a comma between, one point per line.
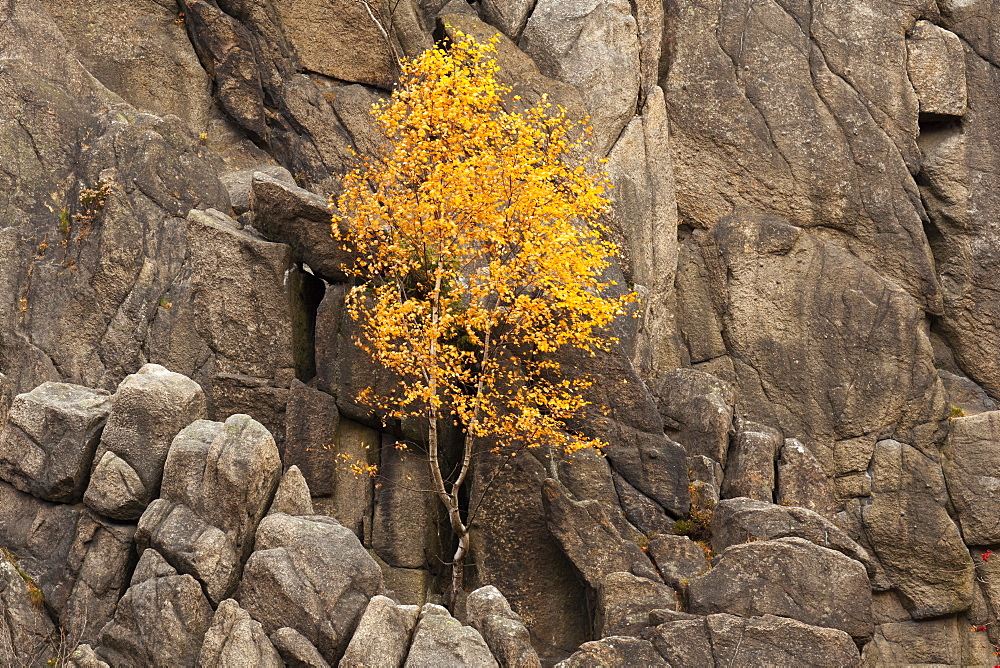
x=805, y=196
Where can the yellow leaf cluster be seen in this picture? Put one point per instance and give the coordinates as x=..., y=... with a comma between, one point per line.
x=479, y=253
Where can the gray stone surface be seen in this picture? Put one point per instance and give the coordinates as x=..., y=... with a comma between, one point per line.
x=789, y=577
x=301, y=219
x=218, y=482
x=767, y=640
x=440, y=641
x=945, y=641
x=697, y=410
x=25, y=629
x=49, y=439
x=624, y=603
x=792, y=303
x=310, y=574
x=383, y=635
x=912, y=534
x=935, y=62
x=743, y=520
x=593, y=45
x=160, y=621
x=589, y=539
x=238, y=184
x=614, y=651
x=678, y=558
x=296, y=650
x=234, y=640
x=751, y=460
x=147, y=411
x=801, y=480
x=971, y=468
x=292, y=496
x=488, y=612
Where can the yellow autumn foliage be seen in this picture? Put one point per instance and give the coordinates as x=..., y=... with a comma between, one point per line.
x=479, y=243
x=479, y=257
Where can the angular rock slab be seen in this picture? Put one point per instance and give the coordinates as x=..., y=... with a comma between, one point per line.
x=49, y=440
x=589, y=539
x=503, y=629
x=147, y=411
x=301, y=219
x=697, y=410
x=789, y=577
x=292, y=496
x=310, y=574
x=801, y=480
x=441, y=641
x=678, y=558
x=25, y=629
x=624, y=603
x=727, y=640
x=218, y=482
x=160, y=622
x=752, y=454
x=234, y=640
x=383, y=635
x=971, y=466
x=296, y=650
x=614, y=651
x=914, y=538
x=935, y=63
x=742, y=520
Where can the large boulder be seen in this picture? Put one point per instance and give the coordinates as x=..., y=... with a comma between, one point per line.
x=913, y=536
x=727, y=640
x=218, y=482
x=383, y=635
x=589, y=539
x=48, y=442
x=503, y=629
x=614, y=651
x=235, y=640
x=310, y=574
x=147, y=411
x=441, y=641
x=971, y=466
x=625, y=601
x=789, y=577
x=288, y=214
x=742, y=520
x=160, y=621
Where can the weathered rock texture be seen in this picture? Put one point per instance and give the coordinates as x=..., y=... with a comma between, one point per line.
x=806, y=197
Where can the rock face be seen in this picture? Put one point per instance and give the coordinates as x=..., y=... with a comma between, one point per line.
x=160, y=621
x=791, y=577
x=764, y=640
x=971, y=469
x=49, y=440
x=440, y=640
x=234, y=639
x=805, y=195
x=907, y=508
x=309, y=573
x=147, y=411
x=218, y=482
